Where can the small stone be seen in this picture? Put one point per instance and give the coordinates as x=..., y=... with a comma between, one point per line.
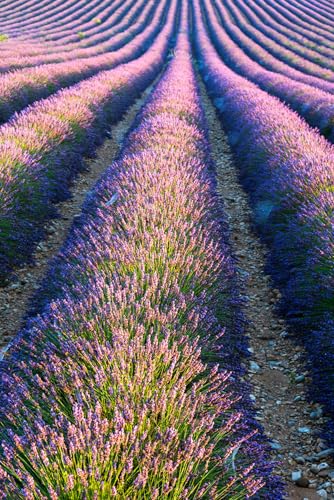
x=252, y=397
x=274, y=364
x=323, y=473
x=325, y=453
x=15, y=286
x=314, y=415
x=296, y=475
x=275, y=446
x=304, y=430
x=326, y=485
x=323, y=466
x=303, y=482
x=299, y=379
x=322, y=493
x=254, y=367
x=297, y=398
x=300, y=460
x=316, y=468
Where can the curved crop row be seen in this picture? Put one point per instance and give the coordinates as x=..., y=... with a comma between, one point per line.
x=21, y=88
x=315, y=105
x=277, y=26
x=123, y=404
x=72, y=46
x=67, y=28
x=77, y=30
x=42, y=147
x=280, y=46
x=289, y=171
x=257, y=53
x=295, y=15
x=26, y=45
x=279, y=14
x=44, y=11
x=313, y=13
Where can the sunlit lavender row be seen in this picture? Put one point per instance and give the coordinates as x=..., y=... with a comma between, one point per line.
x=288, y=169
x=141, y=408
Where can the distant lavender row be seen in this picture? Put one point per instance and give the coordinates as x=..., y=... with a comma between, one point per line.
x=94, y=17
x=19, y=41
x=308, y=22
x=315, y=105
x=40, y=13
x=102, y=39
x=288, y=170
x=280, y=46
x=21, y=88
x=279, y=14
x=265, y=59
x=42, y=147
x=268, y=23
x=119, y=403
x=313, y=12
x=69, y=28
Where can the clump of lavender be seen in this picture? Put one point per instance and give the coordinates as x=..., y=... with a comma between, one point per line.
x=287, y=168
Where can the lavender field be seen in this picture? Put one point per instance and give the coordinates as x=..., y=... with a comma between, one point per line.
x=166, y=249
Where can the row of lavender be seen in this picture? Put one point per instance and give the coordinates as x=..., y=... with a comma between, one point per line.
x=92, y=42
x=27, y=18
x=288, y=170
x=281, y=21
x=295, y=55
x=112, y=392
x=20, y=88
x=279, y=12
x=314, y=104
x=283, y=35
x=42, y=147
x=306, y=73
x=55, y=39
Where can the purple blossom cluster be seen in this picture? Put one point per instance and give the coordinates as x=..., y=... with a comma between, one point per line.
x=287, y=168
x=42, y=148
x=116, y=389
x=41, y=15
x=259, y=54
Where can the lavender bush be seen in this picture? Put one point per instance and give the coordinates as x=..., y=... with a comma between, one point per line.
x=288, y=170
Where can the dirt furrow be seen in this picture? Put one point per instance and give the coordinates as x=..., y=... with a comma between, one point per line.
x=15, y=298
x=276, y=368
